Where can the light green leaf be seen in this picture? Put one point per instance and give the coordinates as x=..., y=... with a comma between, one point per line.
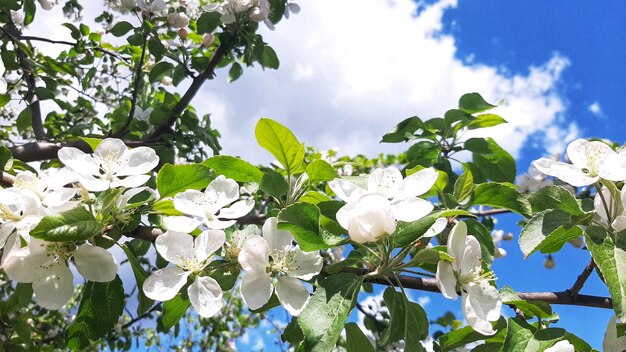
x=463, y=187
x=173, y=311
x=462, y=336
x=530, y=309
x=547, y=231
x=321, y=170
x=493, y=162
x=472, y=103
x=303, y=221
x=73, y=225
x=165, y=207
x=554, y=197
x=235, y=168
x=356, y=341
x=486, y=120
x=404, y=131
x=482, y=234
x=610, y=256
x=93, y=142
x=522, y=337
x=281, y=142
x=173, y=179
x=501, y=195
x=324, y=316
x=100, y=309
x=407, y=232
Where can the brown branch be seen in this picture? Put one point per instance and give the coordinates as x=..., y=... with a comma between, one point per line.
x=491, y=212
x=37, y=151
x=74, y=44
x=430, y=285
x=144, y=315
x=146, y=233
x=582, y=278
x=6, y=180
x=195, y=86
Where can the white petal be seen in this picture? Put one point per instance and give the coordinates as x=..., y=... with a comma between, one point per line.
x=24, y=266
x=191, y=202
x=110, y=149
x=305, y=265
x=12, y=244
x=370, y=219
x=133, y=181
x=387, y=182
x=5, y=230
x=471, y=256
x=481, y=305
x=613, y=167
x=346, y=190
x=93, y=184
x=256, y=288
x=95, y=263
x=222, y=191
x=565, y=172
x=276, y=239
x=619, y=224
x=205, y=295
x=437, y=228
x=598, y=204
x=237, y=210
x=207, y=243
x=344, y=214
x=418, y=183
x=588, y=155
x=139, y=161
x=411, y=209
x=175, y=247
x=164, y=284
x=59, y=198
x=217, y=224
x=78, y=161
x=561, y=346
x=292, y=294
x=456, y=241
x=180, y=223
x=446, y=280
x=55, y=289
x=254, y=253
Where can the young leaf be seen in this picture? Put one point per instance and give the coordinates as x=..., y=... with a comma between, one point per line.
x=502, y=196
x=472, y=103
x=303, y=221
x=409, y=232
x=494, y=162
x=463, y=187
x=404, y=131
x=173, y=179
x=77, y=224
x=235, y=168
x=462, y=336
x=121, y=28
x=281, y=142
x=324, y=316
x=320, y=171
x=100, y=309
x=173, y=311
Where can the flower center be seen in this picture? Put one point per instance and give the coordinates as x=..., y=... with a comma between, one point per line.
x=7, y=214
x=191, y=264
x=283, y=261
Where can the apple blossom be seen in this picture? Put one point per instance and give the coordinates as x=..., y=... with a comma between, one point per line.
x=260, y=10
x=229, y=9
x=616, y=214
x=143, y=115
x=44, y=264
x=532, y=181
x=275, y=256
x=20, y=212
x=480, y=301
x=49, y=187
x=561, y=346
x=368, y=219
x=611, y=342
x=209, y=207
x=111, y=165
x=153, y=6
x=208, y=39
x=586, y=158
x=190, y=256
x=178, y=20
x=46, y=4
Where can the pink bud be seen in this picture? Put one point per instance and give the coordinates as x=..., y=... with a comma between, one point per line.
x=178, y=20
x=208, y=39
x=183, y=33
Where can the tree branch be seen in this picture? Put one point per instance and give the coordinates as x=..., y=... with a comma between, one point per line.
x=430, y=285
x=195, y=86
x=582, y=278
x=63, y=42
x=37, y=151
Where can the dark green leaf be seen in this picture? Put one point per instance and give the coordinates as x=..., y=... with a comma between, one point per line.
x=462, y=336
x=140, y=276
x=483, y=236
x=529, y=308
x=268, y=58
x=160, y=70
x=235, y=72
x=554, y=197
x=406, y=233
x=404, y=131
x=356, y=341
x=303, y=221
x=522, y=337
x=501, y=195
x=494, y=163
x=208, y=22
x=24, y=120
x=121, y=28
x=274, y=184
x=547, y=231
x=73, y=225
x=292, y=333
x=407, y=322
x=173, y=179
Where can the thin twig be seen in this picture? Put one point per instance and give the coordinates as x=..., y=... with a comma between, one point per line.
x=144, y=315
x=582, y=278
x=63, y=42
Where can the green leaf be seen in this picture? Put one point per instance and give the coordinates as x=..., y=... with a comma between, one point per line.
x=472, y=103
x=156, y=49
x=324, y=316
x=73, y=225
x=235, y=168
x=463, y=187
x=486, y=120
x=522, y=337
x=407, y=322
x=274, y=184
x=609, y=255
x=4, y=99
x=462, y=336
x=281, y=142
x=303, y=221
x=268, y=58
x=226, y=276
x=404, y=131
x=24, y=120
x=6, y=159
x=494, y=162
x=530, y=308
x=21, y=297
x=93, y=142
x=235, y=72
x=173, y=311
x=29, y=11
x=160, y=70
x=547, y=231
x=121, y=28
x=482, y=234
x=173, y=179
x=356, y=341
x=100, y=309
x=407, y=232
x=292, y=333
x=208, y=22
x=424, y=153
x=140, y=276
x=501, y=195
x=320, y=171
x=554, y=197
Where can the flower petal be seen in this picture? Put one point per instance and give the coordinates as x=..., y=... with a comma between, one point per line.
x=217, y=224
x=565, y=172
x=437, y=228
x=418, y=183
x=346, y=190
x=481, y=305
x=456, y=242
x=139, y=161
x=446, y=281
x=588, y=155
x=110, y=149
x=24, y=266
x=222, y=191
x=207, y=243
x=95, y=263
x=254, y=253
x=387, y=182
x=191, y=202
x=276, y=239
x=132, y=181
x=175, y=247
x=78, y=161
x=180, y=223
x=256, y=288
x=305, y=265
x=54, y=290
x=471, y=256
x=613, y=167
x=561, y=346
x=164, y=284
x=292, y=294
x=205, y=295
x=237, y=210
x=411, y=209
x=59, y=197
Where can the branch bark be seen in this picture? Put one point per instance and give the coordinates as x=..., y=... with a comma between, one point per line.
x=582, y=278
x=37, y=151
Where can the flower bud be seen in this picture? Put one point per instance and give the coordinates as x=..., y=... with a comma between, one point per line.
x=166, y=81
x=576, y=242
x=368, y=219
x=178, y=20
x=257, y=14
x=17, y=17
x=208, y=40
x=165, y=44
x=183, y=33
x=549, y=263
x=46, y=4
x=100, y=32
x=507, y=236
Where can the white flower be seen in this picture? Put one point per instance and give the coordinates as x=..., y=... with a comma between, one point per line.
x=178, y=20
x=46, y=4
x=3, y=82
x=480, y=301
x=208, y=39
x=143, y=115
x=17, y=17
x=561, y=346
x=368, y=219
x=45, y=265
x=209, y=207
x=153, y=6
x=403, y=193
x=614, y=166
x=190, y=256
x=49, y=187
x=167, y=81
x=616, y=213
x=532, y=181
x=20, y=212
x=586, y=158
x=611, y=343
x=229, y=9
x=129, y=4
x=237, y=238
x=288, y=264
x=497, y=237
x=111, y=165
x=260, y=10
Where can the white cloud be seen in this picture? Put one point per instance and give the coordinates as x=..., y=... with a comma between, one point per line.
x=595, y=109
